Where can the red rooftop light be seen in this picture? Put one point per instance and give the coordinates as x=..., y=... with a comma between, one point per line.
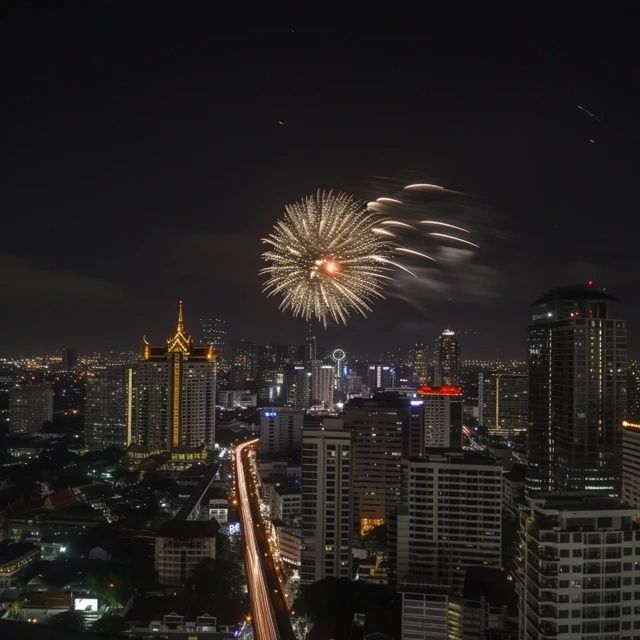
x=444, y=390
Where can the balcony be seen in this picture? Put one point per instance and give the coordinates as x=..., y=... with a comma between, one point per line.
x=548, y=612
x=549, y=570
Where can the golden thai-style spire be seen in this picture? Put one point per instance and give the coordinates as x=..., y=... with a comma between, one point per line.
x=180, y=342
x=180, y=318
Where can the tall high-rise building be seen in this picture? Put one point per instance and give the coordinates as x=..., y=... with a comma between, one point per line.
x=299, y=387
x=446, y=359
x=327, y=454
x=579, y=571
x=631, y=463
x=633, y=391
x=214, y=332
x=486, y=609
x=106, y=418
x=377, y=427
x=413, y=441
x=503, y=403
x=280, y=430
x=310, y=350
x=243, y=365
x=173, y=394
x=442, y=411
x=352, y=384
x=30, y=406
x=449, y=519
x=381, y=377
x=469, y=378
x=322, y=386
x=270, y=377
x=285, y=354
x=577, y=365
x=69, y=358
x=419, y=362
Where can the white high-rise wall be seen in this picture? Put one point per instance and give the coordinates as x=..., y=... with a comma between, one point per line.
x=322, y=386
x=580, y=569
x=326, y=502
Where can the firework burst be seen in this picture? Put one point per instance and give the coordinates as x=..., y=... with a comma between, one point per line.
x=331, y=254
x=326, y=259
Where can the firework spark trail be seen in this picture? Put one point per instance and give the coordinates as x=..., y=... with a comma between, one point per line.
x=589, y=113
x=332, y=255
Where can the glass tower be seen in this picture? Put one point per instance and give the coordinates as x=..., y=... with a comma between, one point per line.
x=577, y=391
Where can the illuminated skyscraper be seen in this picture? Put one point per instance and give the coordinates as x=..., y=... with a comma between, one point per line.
x=30, y=406
x=214, y=332
x=446, y=360
x=322, y=386
x=298, y=386
x=419, y=361
x=377, y=427
x=326, y=502
x=442, y=416
x=381, y=377
x=173, y=393
x=577, y=398
x=633, y=391
x=243, y=364
x=105, y=421
x=503, y=403
x=311, y=350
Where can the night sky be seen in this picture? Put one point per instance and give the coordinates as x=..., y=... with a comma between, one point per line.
x=143, y=159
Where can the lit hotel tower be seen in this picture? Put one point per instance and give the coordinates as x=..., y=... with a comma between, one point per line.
x=446, y=360
x=577, y=396
x=173, y=393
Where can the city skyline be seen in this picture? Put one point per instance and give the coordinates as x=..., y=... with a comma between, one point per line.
x=319, y=325
x=194, y=183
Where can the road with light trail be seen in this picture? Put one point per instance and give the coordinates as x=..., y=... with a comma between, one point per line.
x=269, y=614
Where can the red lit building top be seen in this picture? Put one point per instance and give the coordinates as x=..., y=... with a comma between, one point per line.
x=444, y=390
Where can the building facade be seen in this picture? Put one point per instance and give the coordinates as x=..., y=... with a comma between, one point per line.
x=106, y=418
x=631, y=463
x=577, y=397
x=173, y=394
x=580, y=569
x=244, y=363
x=446, y=360
x=327, y=516
x=280, y=430
x=180, y=546
x=419, y=364
x=449, y=519
x=381, y=376
x=299, y=389
x=442, y=412
x=322, y=384
x=503, y=403
x=377, y=427
x=30, y=406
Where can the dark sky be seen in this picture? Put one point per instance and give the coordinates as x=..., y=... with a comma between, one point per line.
x=142, y=160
